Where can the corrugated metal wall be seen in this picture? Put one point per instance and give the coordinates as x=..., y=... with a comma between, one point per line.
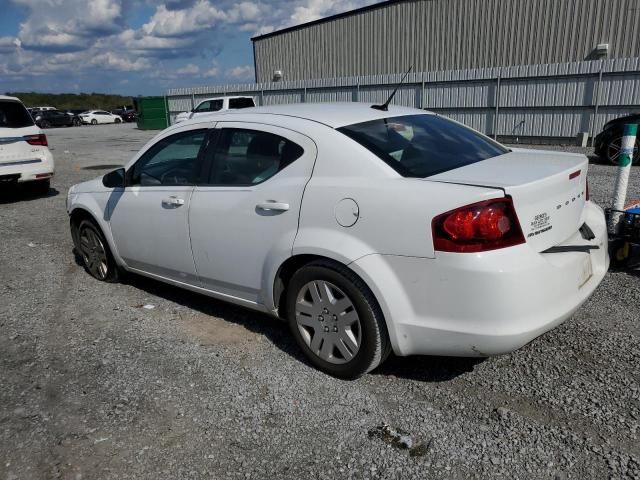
x=556, y=100
x=451, y=34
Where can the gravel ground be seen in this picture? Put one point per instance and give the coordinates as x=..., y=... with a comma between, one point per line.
x=93, y=385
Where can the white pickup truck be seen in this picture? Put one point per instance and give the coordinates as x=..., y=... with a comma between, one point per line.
x=217, y=104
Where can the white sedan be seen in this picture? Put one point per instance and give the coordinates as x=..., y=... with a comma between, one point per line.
x=94, y=117
x=367, y=230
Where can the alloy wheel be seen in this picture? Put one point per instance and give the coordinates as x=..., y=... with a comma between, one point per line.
x=94, y=254
x=614, y=148
x=328, y=322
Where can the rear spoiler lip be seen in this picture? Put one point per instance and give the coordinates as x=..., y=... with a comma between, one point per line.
x=493, y=187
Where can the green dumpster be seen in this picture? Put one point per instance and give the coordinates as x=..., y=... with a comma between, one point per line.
x=151, y=112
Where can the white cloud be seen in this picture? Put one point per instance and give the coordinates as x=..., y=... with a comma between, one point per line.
x=168, y=23
x=112, y=61
x=8, y=44
x=139, y=42
x=310, y=10
x=244, y=72
x=212, y=72
x=189, y=69
x=65, y=25
x=246, y=12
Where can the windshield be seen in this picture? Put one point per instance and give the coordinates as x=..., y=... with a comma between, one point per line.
x=14, y=115
x=423, y=145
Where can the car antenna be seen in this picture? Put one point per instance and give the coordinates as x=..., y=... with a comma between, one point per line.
x=385, y=106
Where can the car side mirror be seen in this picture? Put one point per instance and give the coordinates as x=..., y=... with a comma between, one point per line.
x=114, y=179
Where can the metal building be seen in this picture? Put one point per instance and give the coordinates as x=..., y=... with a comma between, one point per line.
x=436, y=35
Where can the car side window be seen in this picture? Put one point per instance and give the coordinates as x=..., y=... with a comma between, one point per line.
x=249, y=157
x=215, y=105
x=241, y=103
x=203, y=107
x=171, y=161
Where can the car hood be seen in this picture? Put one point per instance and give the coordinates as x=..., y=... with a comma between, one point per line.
x=90, y=186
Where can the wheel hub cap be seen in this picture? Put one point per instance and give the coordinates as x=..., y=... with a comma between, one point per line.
x=93, y=253
x=328, y=322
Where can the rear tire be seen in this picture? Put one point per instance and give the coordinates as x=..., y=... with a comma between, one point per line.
x=94, y=251
x=339, y=326
x=117, y=120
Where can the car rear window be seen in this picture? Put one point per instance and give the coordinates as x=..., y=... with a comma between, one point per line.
x=241, y=102
x=14, y=115
x=423, y=145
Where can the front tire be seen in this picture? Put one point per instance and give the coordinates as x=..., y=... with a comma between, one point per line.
x=94, y=252
x=336, y=320
x=76, y=122
x=44, y=124
x=94, y=122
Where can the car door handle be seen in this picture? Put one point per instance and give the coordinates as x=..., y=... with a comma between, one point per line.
x=274, y=206
x=173, y=201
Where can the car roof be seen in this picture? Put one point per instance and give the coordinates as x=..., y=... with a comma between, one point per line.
x=334, y=115
x=222, y=98
x=6, y=97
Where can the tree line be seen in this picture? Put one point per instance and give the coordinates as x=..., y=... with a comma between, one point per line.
x=68, y=101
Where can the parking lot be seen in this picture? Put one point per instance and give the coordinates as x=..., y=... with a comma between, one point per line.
x=142, y=380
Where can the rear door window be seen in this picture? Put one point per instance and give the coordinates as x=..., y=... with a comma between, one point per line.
x=249, y=157
x=241, y=102
x=423, y=145
x=14, y=115
x=215, y=105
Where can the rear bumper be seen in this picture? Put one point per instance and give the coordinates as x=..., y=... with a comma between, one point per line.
x=483, y=304
x=31, y=170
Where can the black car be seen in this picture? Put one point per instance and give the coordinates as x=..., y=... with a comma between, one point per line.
x=55, y=118
x=608, y=142
x=128, y=115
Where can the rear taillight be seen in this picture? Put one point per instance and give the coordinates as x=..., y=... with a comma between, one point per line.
x=40, y=139
x=478, y=227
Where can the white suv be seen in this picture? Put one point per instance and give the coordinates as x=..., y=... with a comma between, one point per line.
x=219, y=104
x=24, y=152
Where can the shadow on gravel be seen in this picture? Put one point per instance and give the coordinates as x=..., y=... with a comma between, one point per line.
x=421, y=368
x=23, y=193
x=260, y=323
x=595, y=159
x=427, y=369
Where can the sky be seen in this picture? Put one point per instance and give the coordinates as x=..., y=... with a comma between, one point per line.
x=140, y=47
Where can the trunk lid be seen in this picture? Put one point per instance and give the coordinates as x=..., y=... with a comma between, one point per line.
x=13, y=148
x=548, y=190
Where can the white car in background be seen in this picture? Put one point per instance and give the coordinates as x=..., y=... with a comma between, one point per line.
x=367, y=230
x=218, y=104
x=24, y=151
x=94, y=117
